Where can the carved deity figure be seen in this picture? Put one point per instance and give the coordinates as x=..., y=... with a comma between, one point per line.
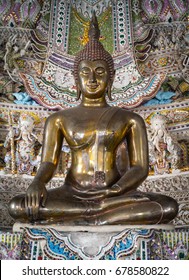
x=100, y=188
x=26, y=158
x=163, y=150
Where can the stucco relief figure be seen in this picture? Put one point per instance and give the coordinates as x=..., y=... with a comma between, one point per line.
x=16, y=48
x=26, y=157
x=100, y=188
x=163, y=150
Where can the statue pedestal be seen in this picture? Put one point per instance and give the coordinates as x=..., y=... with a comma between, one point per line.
x=95, y=242
x=53, y=242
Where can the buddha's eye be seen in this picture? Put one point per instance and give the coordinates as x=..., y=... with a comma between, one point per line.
x=100, y=70
x=85, y=70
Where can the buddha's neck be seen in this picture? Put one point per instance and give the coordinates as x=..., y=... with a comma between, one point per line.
x=97, y=102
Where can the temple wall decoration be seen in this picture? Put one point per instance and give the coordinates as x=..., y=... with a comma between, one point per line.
x=37, y=51
x=149, y=42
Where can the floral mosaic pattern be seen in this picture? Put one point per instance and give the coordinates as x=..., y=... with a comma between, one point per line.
x=161, y=37
x=10, y=246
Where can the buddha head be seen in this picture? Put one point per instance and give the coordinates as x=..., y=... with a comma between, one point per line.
x=94, y=60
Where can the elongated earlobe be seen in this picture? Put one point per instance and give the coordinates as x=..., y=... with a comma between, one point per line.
x=109, y=92
x=109, y=88
x=78, y=93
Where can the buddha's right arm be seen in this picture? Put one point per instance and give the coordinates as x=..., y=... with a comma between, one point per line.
x=36, y=194
x=51, y=149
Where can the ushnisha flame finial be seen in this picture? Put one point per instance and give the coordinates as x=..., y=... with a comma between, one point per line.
x=94, y=31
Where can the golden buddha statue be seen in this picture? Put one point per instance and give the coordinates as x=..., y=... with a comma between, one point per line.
x=100, y=187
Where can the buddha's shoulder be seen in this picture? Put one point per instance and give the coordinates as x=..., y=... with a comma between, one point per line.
x=61, y=114
x=129, y=115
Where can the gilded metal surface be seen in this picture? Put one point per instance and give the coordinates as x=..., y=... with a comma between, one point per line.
x=95, y=191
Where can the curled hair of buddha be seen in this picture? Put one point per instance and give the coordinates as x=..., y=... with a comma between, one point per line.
x=94, y=50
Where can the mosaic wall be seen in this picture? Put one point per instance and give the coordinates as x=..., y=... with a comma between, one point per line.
x=148, y=41
x=161, y=30
x=161, y=41
x=23, y=45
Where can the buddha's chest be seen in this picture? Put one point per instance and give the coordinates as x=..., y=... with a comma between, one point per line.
x=90, y=132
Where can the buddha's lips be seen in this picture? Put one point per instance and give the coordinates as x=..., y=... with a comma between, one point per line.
x=92, y=86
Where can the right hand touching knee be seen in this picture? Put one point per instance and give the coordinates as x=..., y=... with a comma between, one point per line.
x=36, y=196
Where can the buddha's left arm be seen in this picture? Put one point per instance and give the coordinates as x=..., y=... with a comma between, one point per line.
x=138, y=157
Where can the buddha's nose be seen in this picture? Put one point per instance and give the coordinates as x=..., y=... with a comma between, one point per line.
x=92, y=77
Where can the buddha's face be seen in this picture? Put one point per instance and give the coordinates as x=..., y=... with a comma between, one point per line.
x=93, y=78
